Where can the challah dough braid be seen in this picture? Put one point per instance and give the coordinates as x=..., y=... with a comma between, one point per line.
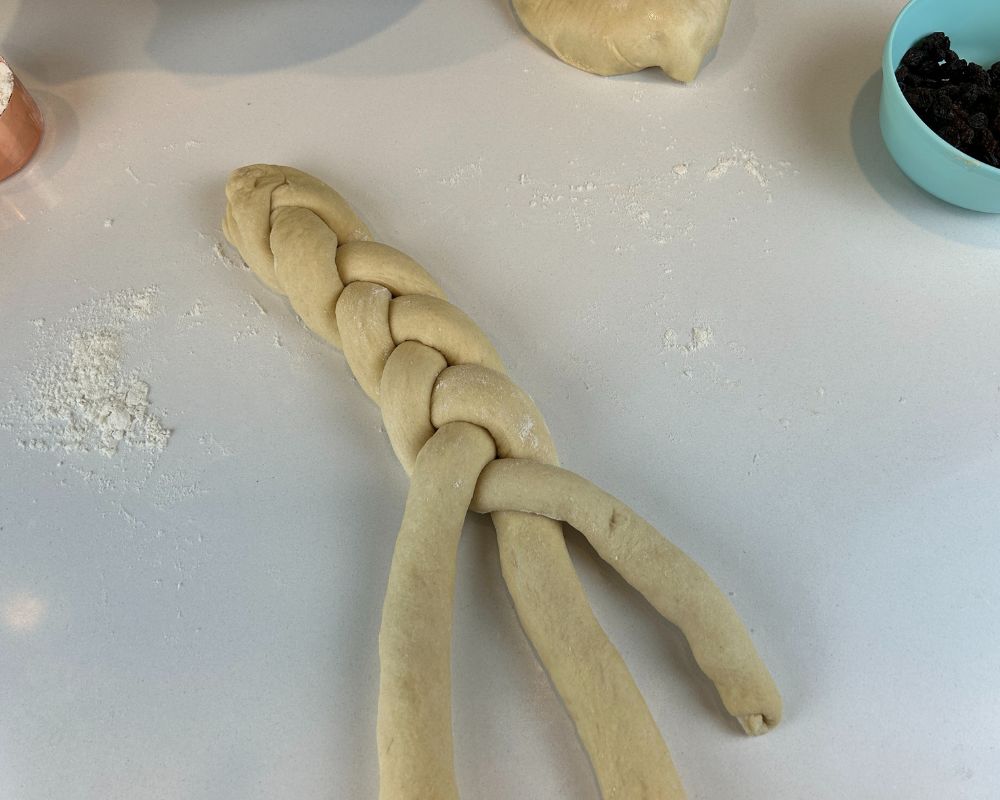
x=449, y=411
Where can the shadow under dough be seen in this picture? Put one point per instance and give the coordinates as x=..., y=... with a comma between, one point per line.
x=189, y=36
x=247, y=36
x=727, y=56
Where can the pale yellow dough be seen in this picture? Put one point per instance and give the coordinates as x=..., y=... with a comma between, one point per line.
x=468, y=435
x=673, y=584
x=613, y=37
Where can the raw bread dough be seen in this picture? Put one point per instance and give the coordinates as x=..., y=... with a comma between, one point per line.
x=449, y=410
x=612, y=37
x=643, y=556
x=414, y=710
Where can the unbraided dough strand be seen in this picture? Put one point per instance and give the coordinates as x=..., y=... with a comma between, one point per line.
x=431, y=369
x=414, y=711
x=661, y=572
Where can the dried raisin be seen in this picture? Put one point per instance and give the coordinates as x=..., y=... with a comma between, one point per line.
x=957, y=99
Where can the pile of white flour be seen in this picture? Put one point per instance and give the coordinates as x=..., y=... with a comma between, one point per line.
x=79, y=395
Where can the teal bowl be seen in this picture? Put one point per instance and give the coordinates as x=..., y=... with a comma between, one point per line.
x=927, y=159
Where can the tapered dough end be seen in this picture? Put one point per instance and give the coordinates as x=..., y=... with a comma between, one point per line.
x=257, y=191
x=751, y=696
x=674, y=584
x=623, y=36
x=755, y=724
x=305, y=251
x=247, y=224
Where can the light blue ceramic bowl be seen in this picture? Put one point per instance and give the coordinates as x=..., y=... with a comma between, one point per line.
x=928, y=160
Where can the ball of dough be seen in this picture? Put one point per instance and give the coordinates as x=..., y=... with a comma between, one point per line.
x=613, y=37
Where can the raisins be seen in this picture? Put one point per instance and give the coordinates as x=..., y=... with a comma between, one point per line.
x=957, y=99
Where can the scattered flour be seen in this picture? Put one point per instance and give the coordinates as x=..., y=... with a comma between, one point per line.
x=213, y=447
x=84, y=396
x=526, y=432
x=701, y=337
x=193, y=316
x=740, y=157
x=6, y=85
x=656, y=203
x=253, y=322
x=463, y=174
x=249, y=332
x=222, y=255
x=258, y=306
x=80, y=396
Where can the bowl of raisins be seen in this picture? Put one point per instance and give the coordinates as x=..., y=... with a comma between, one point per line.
x=940, y=106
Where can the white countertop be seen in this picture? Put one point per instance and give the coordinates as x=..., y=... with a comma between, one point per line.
x=201, y=623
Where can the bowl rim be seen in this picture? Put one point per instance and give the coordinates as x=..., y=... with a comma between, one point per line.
x=889, y=77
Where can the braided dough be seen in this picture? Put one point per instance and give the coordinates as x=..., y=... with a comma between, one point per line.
x=469, y=437
x=613, y=37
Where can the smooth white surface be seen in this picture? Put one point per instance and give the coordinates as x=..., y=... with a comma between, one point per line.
x=832, y=457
